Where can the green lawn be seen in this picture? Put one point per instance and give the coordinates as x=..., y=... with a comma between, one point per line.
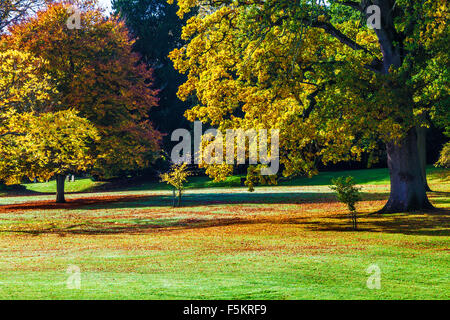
x=286, y=242
x=363, y=177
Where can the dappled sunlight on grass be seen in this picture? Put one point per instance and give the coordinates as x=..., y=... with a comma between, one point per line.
x=283, y=242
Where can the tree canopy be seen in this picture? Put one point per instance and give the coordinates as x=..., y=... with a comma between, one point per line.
x=157, y=31
x=331, y=85
x=95, y=72
x=46, y=145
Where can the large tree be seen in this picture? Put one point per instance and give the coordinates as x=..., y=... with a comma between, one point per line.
x=332, y=85
x=94, y=71
x=34, y=144
x=46, y=145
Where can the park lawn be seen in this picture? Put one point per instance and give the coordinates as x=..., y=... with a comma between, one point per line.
x=283, y=242
x=362, y=177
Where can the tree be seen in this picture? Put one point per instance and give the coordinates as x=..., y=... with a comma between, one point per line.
x=331, y=85
x=177, y=177
x=347, y=193
x=31, y=141
x=15, y=11
x=95, y=72
x=157, y=31
x=47, y=145
x=19, y=86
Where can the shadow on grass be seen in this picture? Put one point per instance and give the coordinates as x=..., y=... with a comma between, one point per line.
x=435, y=224
x=104, y=201
x=189, y=200
x=18, y=191
x=420, y=223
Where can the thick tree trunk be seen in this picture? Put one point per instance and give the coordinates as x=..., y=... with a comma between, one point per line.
x=60, y=179
x=407, y=184
x=422, y=149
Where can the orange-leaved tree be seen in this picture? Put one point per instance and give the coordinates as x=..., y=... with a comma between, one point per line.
x=95, y=72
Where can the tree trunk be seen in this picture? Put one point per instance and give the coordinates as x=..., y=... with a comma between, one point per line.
x=60, y=179
x=407, y=184
x=422, y=149
x=174, y=198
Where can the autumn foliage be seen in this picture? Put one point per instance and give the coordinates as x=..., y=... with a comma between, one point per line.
x=94, y=71
x=73, y=99
x=332, y=86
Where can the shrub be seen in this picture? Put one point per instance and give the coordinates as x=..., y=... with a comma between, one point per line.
x=349, y=194
x=444, y=158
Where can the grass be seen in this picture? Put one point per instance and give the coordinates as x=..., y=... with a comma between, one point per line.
x=362, y=177
x=79, y=185
x=292, y=241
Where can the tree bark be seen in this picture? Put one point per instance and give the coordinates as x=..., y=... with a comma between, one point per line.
x=174, y=198
x=422, y=149
x=407, y=183
x=60, y=179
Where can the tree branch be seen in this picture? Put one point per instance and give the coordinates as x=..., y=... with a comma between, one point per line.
x=331, y=30
x=352, y=4
x=12, y=134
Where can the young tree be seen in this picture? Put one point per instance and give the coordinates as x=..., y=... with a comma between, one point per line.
x=331, y=85
x=177, y=177
x=95, y=72
x=444, y=158
x=347, y=193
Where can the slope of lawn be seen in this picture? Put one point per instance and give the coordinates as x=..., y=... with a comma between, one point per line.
x=368, y=176
x=79, y=185
x=283, y=242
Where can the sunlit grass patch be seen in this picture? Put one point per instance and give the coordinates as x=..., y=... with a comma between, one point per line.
x=282, y=242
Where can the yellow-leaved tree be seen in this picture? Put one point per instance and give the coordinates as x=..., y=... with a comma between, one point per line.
x=37, y=150
x=94, y=71
x=177, y=178
x=34, y=143
x=329, y=83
